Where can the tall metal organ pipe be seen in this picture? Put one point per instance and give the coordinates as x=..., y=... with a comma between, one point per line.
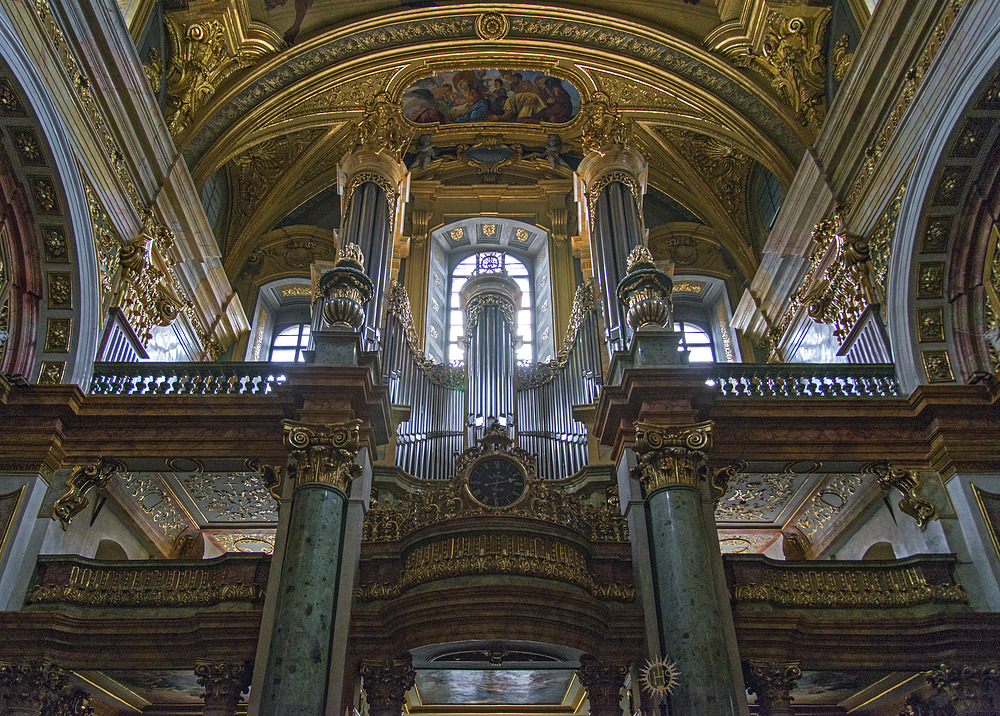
x=490, y=302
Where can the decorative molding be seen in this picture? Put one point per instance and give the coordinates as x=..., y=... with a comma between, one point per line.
x=827, y=503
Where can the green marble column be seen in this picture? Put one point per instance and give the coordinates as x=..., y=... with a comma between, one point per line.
x=691, y=616
x=322, y=463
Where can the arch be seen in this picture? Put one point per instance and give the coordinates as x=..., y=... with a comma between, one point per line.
x=86, y=318
x=880, y=550
x=109, y=549
x=960, y=74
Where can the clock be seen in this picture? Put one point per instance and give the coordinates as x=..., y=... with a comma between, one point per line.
x=497, y=481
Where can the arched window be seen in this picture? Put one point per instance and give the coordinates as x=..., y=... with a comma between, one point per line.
x=477, y=263
x=288, y=344
x=696, y=341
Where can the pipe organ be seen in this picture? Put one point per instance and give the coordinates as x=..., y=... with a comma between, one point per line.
x=451, y=405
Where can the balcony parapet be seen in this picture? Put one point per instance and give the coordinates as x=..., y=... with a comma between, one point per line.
x=71, y=580
x=805, y=380
x=755, y=580
x=219, y=378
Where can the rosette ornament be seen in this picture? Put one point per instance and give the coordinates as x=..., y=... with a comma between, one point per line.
x=346, y=289
x=645, y=292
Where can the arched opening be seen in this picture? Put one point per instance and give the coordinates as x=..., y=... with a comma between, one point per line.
x=109, y=549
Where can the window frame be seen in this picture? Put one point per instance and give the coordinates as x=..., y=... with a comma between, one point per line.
x=302, y=342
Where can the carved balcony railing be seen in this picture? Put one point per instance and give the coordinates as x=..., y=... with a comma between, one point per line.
x=805, y=380
x=909, y=582
x=153, y=583
x=220, y=378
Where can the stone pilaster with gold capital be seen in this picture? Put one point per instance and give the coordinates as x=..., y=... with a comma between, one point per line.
x=604, y=681
x=374, y=185
x=27, y=688
x=224, y=683
x=969, y=688
x=321, y=465
x=694, y=624
x=385, y=683
x=773, y=684
x=610, y=182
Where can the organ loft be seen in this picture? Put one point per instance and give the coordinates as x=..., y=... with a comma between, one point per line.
x=527, y=359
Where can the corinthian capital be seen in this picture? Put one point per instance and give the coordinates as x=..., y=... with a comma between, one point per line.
x=773, y=684
x=223, y=682
x=29, y=686
x=604, y=681
x=323, y=453
x=386, y=682
x=672, y=454
x=968, y=687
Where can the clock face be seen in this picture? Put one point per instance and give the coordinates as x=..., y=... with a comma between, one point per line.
x=496, y=481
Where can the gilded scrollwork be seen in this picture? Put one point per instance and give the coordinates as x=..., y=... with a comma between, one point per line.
x=907, y=482
x=398, y=305
x=604, y=126
x=723, y=167
x=156, y=502
x=82, y=480
x=828, y=503
x=584, y=305
x=232, y=496
x=672, y=455
x=30, y=686
x=382, y=128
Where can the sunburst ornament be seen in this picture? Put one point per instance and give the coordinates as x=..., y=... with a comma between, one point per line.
x=659, y=677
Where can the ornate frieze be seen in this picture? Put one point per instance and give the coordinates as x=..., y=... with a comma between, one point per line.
x=773, y=683
x=79, y=482
x=75, y=580
x=828, y=585
x=323, y=453
x=672, y=455
x=907, y=482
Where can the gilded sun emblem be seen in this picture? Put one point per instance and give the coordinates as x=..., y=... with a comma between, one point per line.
x=659, y=677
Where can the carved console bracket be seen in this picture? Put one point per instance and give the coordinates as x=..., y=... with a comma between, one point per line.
x=79, y=482
x=907, y=482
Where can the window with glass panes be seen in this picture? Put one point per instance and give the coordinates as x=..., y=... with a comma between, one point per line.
x=288, y=345
x=696, y=341
x=486, y=261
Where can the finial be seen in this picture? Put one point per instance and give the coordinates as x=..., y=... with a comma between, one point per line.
x=639, y=255
x=350, y=254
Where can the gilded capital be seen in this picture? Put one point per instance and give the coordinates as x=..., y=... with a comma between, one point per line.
x=386, y=682
x=224, y=683
x=29, y=686
x=604, y=681
x=672, y=454
x=323, y=453
x=773, y=684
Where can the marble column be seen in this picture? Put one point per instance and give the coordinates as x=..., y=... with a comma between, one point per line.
x=385, y=683
x=26, y=688
x=773, y=684
x=604, y=681
x=692, y=617
x=322, y=465
x=224, y=683
x=611, y=181
x=374, y=184
x=969, y=688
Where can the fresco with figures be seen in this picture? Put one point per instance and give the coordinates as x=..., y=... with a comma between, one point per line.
x=520, y=96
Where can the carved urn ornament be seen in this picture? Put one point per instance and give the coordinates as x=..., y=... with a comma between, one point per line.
x=346, y=289
x=645, y=292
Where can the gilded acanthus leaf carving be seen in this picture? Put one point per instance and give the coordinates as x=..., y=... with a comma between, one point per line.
x=723, y=167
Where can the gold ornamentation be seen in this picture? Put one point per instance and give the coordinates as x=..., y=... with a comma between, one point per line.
x=51, y=372
x=295, y=290
x=798, y=585
x=913, y=79
x=45, y=196
x=937, y=366
x=10, y=105
x=936, y=235
x=27, y=146
x=323, y=453
x=969, y=688
x=828, y=503
x=694, y=287
x=56, y=248
x=727, y=337
x=154, y=70
x=398, y=305
x=596, y=187
x=489, y=171
x=380, y=181
x=387, y=681
x=154, y=500
x=231, y=496
x=907, y=482
x=659, y=677
x=28, y=687
x=842, y=58
x=724, y=168
x=881, y=239
x=930, y=279
x=60, y=290
x=457, y=234
x=159, y=584
x=991, y=307
x=645, y=291
x=489, y=299
x=57, y=335
x=604, y=681
x=80, y=482
x=793, y=57
x=382, y=128
x=773, y=684
x=246, y=542
x=950, y=185
x=930, y=324
x=756, y=497
x=604, y=127
x=584, y=304
x=201, y=59
x=672, y=455
x=71, y=701
x=224, y=683
x=346, y=289
x=489, y=229
x=144, y=295
x=492, y=26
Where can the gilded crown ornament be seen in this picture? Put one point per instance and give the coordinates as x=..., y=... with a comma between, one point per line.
x=346, y=289
x=645, y=292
